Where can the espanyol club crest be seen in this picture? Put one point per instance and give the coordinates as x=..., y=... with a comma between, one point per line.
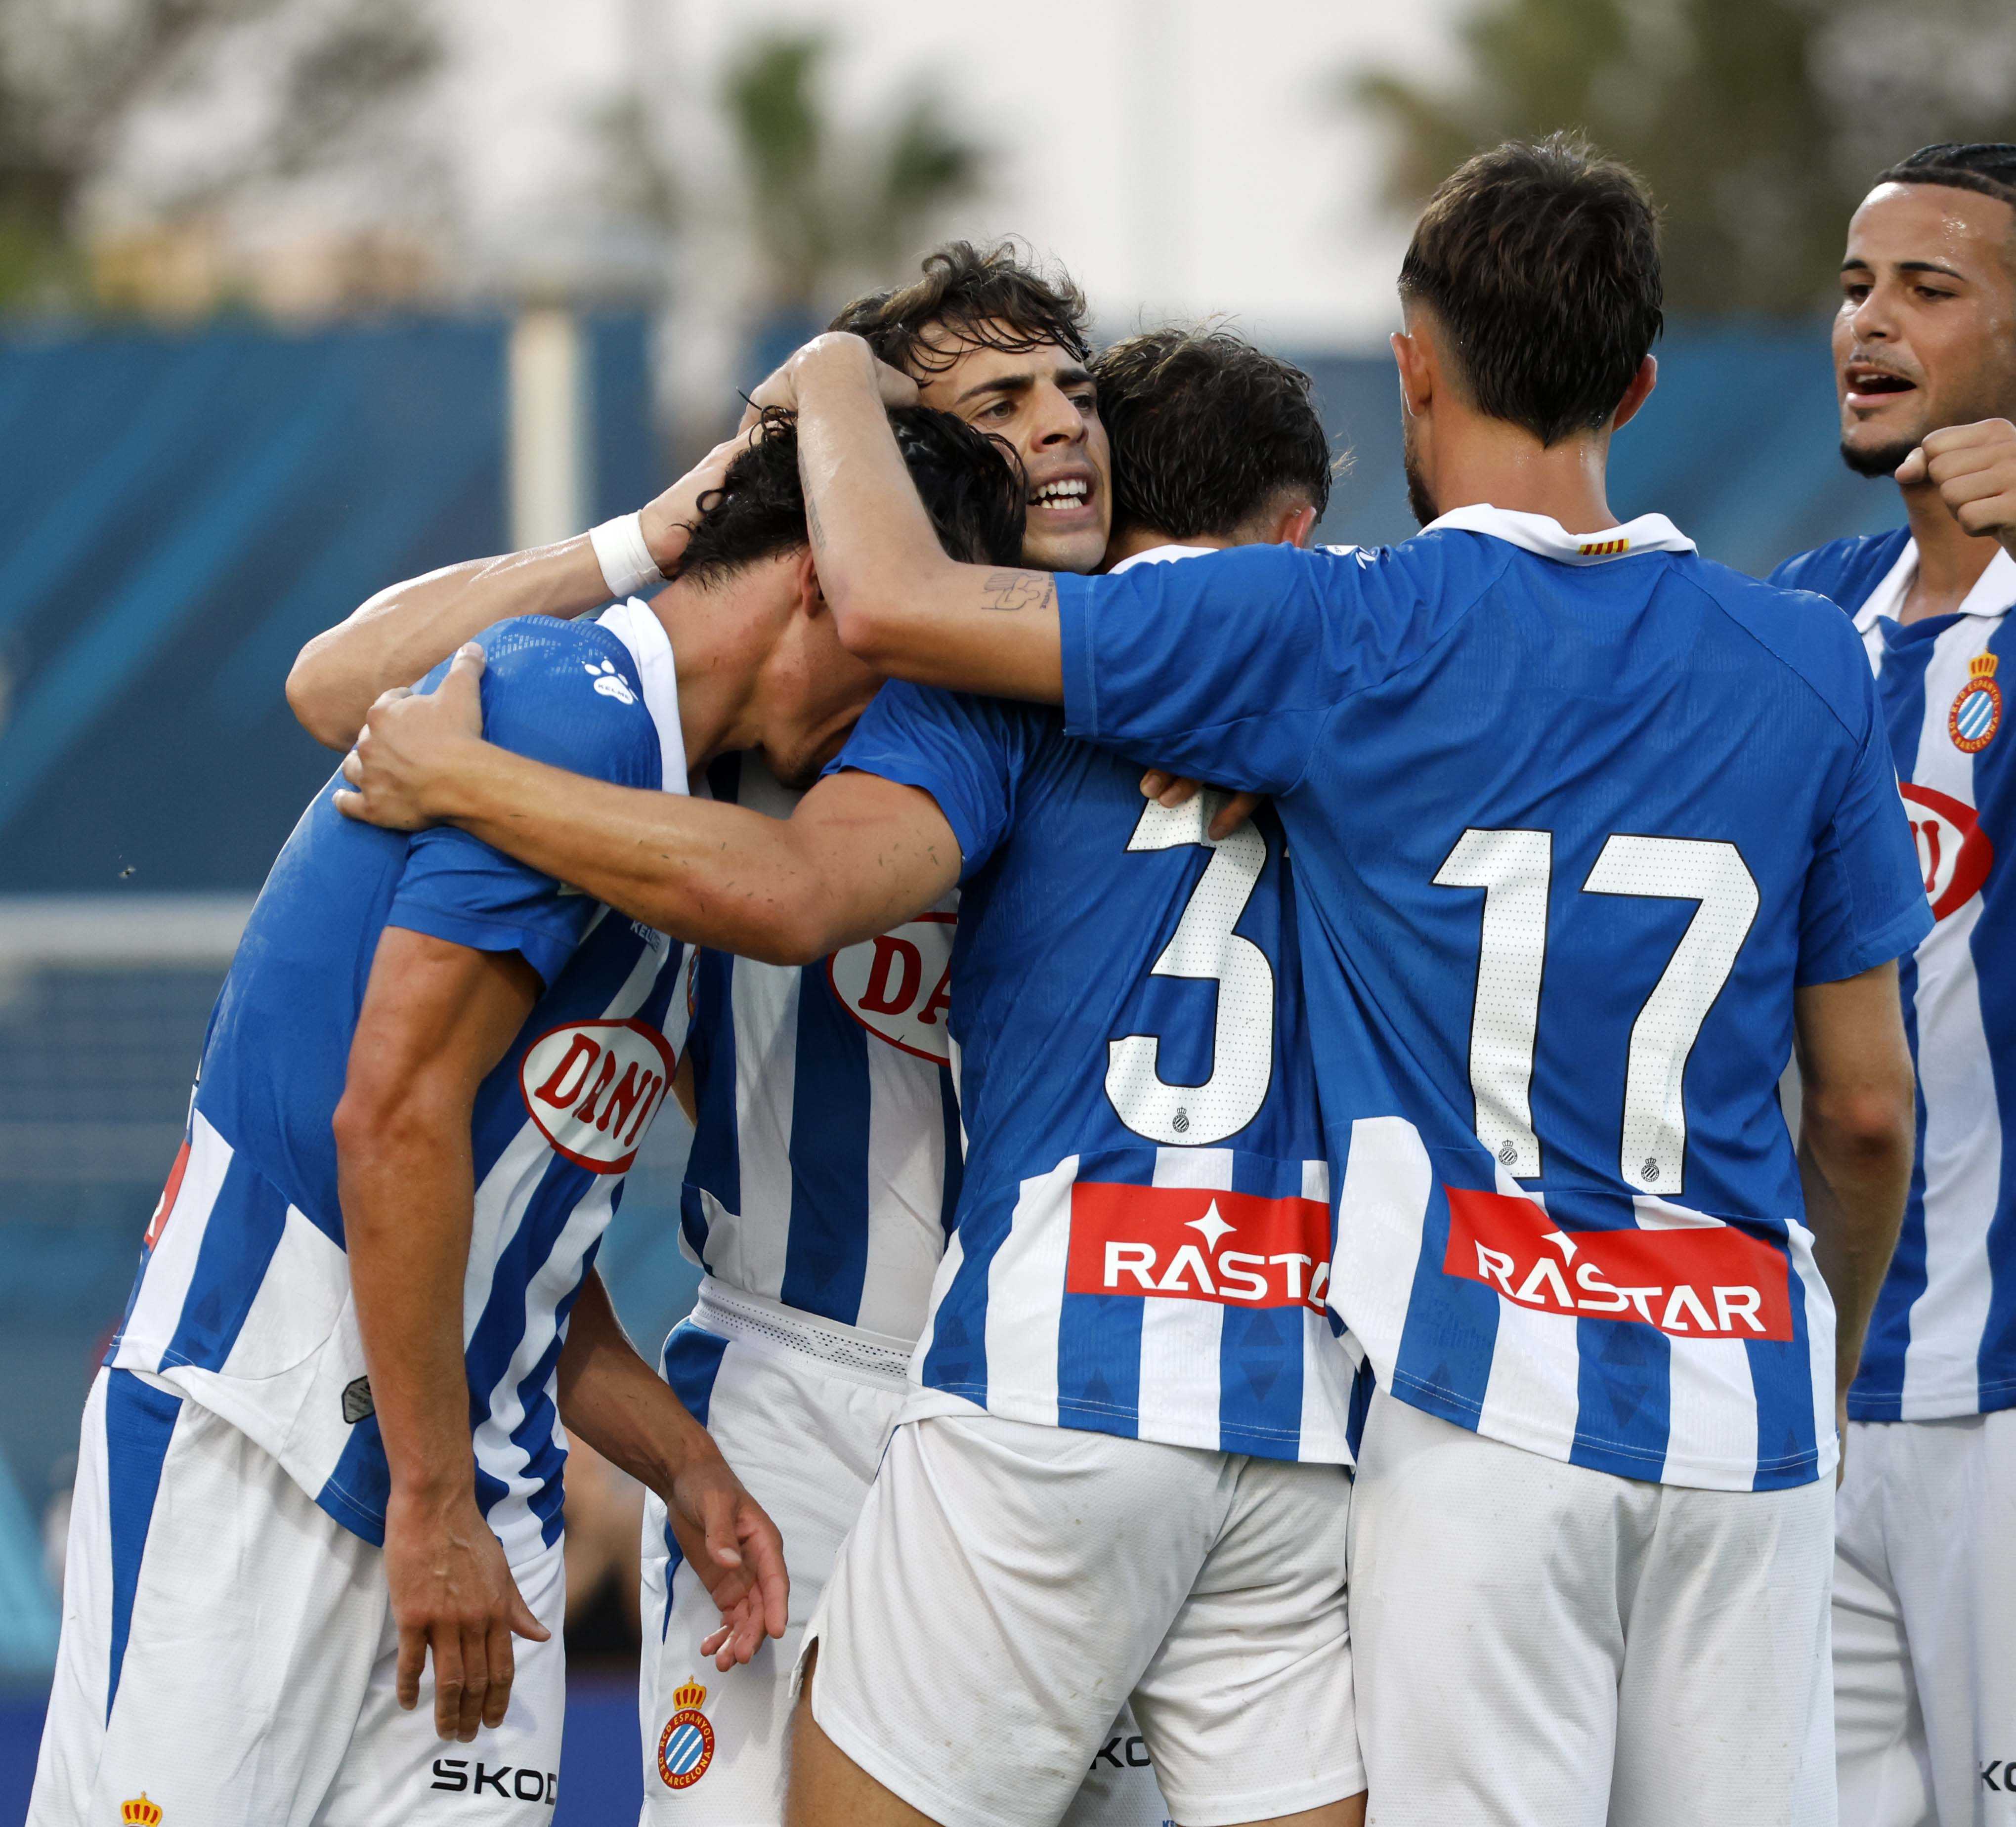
x=898, y=985
x=686, y=1747
x=1977, y=712
x=1953, y=850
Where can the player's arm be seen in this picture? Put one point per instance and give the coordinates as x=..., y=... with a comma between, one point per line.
x=860, y=854
x=898, y=602
x=1857, y=1132
x=405, y=630
x=437, y=1018
x=615, y=1401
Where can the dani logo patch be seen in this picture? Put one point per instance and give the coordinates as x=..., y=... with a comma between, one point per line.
x=1705, y=1281
x=593, y=1087
x=1192, y=1243
x=899, y=985
x=1953, y=850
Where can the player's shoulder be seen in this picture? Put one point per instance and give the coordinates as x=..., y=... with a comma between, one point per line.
x=1796, y=631
x=1845, y=571
x=568, y=692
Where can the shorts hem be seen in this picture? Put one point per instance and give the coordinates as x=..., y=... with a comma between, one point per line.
x=894, y=1774
x=1266, y=1804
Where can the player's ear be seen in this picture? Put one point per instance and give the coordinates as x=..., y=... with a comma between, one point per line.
x=811, y=599
x=1638, y=393
x=1296, y=525
x=1412, y=356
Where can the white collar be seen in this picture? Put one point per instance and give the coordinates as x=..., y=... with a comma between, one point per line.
x=1537, y=533
x=1163, y=555
x=633, y=623
x=1994, y=590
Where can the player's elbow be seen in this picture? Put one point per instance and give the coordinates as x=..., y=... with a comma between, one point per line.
x=316, y=695
x=791, y=933
x=384, y=1117
x=873, y=612
x=1873, y=1123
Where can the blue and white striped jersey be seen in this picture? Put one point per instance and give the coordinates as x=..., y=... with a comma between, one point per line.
x=825, y=1161
x=1143, y=1238
x=243, y=1299
x=1572, y=816
x=1943, y=1339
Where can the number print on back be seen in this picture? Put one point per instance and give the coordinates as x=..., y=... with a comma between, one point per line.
x=1204, y=947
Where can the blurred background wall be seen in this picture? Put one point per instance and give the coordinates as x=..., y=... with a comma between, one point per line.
x=300, y=297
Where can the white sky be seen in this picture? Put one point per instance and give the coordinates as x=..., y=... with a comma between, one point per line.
x=1179, y=156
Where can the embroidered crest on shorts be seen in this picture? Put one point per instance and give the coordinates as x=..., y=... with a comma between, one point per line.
x=686, y=1747
x=1977, y=712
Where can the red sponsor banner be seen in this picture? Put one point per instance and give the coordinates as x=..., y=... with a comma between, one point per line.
x=1692, y=1281
x=169, y=1193
x=1192, y=1243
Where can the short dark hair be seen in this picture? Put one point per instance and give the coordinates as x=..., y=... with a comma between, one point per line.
x=994, y=297
x=1207, y=431
x=1542, y=262
x=1985, y=166
x=975, y=497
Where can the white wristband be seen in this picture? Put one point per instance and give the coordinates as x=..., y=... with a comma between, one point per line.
x=626, y=561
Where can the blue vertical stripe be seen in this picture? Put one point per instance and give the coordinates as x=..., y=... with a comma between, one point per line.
x=1624, y=1395
x=139, y=1420
x=714, y=1163
x=1099, y=1362
x=957, y=1359
x=1444, y=1368
x=825, y=1252
x=245, y=1228
x=691, y=1362
x=1782, y=1376
x=1993, y=948
x=955, y=1152
x=1260, y=1378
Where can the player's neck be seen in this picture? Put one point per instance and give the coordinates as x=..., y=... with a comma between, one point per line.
x=1131, y=541
x=1491, y=463
x=1951, y=559
x=716, y=658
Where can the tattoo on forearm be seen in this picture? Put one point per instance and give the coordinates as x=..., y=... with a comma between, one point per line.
x=1018, y=589
x=812, y=524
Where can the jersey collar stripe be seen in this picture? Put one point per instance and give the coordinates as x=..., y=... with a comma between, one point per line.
x=1537, y=533
x=633, y=623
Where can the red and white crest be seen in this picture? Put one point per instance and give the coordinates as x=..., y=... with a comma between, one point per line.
x=593, y=1087
x=1953, y=850
x=898, y=985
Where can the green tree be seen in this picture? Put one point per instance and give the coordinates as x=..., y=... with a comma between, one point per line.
x=828, y=206
x=74, y=77
x=1757, y=123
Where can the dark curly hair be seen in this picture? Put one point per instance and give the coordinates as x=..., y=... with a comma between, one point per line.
x=974, y=494
x=1986, y=166
x=1207, y=431
x=994, y=297
x=1542, y=262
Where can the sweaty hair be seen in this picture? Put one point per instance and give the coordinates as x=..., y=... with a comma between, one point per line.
x=1987, y=166
x=1207, y=431
x=974, y=497
x=1542, y=262
x=992, y=297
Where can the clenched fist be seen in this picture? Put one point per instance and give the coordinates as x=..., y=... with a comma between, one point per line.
x=1973, y=468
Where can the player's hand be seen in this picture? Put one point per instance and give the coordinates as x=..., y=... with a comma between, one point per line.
x=780, y=388
x=1172, y=790
x=408, y=747
x=669, y=519
x=736, y=1551
x=453, y=1597
x=1973, y=468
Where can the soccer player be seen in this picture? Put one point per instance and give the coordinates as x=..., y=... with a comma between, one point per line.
x=1120, y=1468
x=1924, y=1604
x=826, y=1157
x=1587, y=834
x=327, y=1443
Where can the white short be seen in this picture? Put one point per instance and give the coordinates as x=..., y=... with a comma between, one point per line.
x=228, y=1650
x=804, y=1433
x=1009, y=1585
x=1540, y=1642
x=1924, y=1623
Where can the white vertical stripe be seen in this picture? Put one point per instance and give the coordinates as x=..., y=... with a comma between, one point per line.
x=1962, y=1157
x=1380, y=1210
x=1025, y=1293
x=301, y=1297
x=158, y=1312
x=634, y=624
x=764, y=1005
x=1820, y=1344
x=1329, y=1361
x=1711, y=1399
x=1180, y=1339
x=1532, y=1398
x=948, y=1268
x=904, y=1198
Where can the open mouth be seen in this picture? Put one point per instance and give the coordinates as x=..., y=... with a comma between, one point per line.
x=1868, y=386
x=1062, y=496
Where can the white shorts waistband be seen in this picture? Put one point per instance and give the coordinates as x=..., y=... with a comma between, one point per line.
x=737, y=1315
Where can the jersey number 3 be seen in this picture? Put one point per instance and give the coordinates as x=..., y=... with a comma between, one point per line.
x=1205, y=947
x=1515, y=869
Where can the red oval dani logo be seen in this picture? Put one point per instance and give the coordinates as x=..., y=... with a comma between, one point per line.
x=593, y=1087
x=1953, y=850
x=899, y=985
